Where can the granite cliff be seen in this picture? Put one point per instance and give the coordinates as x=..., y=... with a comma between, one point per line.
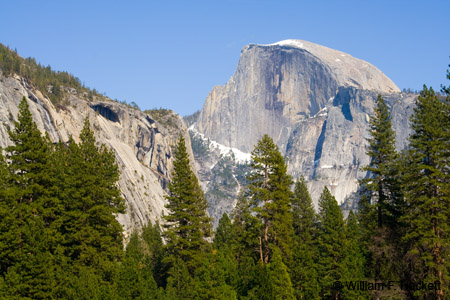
x=143, y=142
x=315, y=103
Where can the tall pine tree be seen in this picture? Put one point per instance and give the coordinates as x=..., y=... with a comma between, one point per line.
x=332, y=246
x=303, y=270
x=383, y=202
x=269, y=193
x=428, y=194
x=93, y=239
x=30, y=234
x=188, y=225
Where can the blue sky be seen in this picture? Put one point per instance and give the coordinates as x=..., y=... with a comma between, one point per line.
x=171, y=53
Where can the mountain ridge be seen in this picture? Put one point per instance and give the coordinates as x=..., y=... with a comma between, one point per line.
x=314, y=107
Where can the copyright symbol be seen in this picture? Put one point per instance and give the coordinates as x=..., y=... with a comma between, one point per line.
x=337, y=285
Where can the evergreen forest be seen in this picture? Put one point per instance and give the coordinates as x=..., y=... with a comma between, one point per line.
x=60, y=239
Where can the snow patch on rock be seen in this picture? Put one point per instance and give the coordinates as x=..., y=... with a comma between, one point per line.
x=239, y=156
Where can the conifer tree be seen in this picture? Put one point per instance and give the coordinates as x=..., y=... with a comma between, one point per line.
x=303, y=271
x=332, y=245
x=269, y=193
x=7, y=201
x=136, y=275
x=382, y=180
x=279, y=279
x=180, y=284
x=427, y=191
x=213, y=277
x=245, y=230
x=245, y=248
x=187, y=222
x=382, y=203
x=224, y=246
x=446, y=89
x=155, y=252
x=29, y=230
x=354, y=263
x=91, y=198
x=224, y=235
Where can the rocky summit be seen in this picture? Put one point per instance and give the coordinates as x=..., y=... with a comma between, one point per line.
x=314, y=102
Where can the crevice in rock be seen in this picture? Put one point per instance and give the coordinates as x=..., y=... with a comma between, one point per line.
x=106, y=112
x=347, y=112
x=319, y=147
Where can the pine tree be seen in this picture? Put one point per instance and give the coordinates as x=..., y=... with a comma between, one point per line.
x=279, y=279
x=187, y=222
x=446, y=89
x=269, y=193
x=245, y=230
x=382, y=180
x=382, y=203
x=332, y=245
x=245, y=247
x=180, y=284
x=136, y=274
x=155, y=252
x=88, y=178
x=7, y=201
x=213, y=277
x=29, y=229
x=225, y=242
x=428, y=193
x=354, y=263
x=224, y=235
x=303, y=270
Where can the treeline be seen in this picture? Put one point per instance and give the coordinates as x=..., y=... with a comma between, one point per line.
x=46, y=80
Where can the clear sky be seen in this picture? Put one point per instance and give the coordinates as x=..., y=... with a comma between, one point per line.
x=171, y=53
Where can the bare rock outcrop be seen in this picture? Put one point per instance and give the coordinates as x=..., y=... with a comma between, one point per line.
x=315, y=103
x=142, y=143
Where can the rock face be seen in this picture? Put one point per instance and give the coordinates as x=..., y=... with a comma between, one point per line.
x=276, y=86
x=313, y=101
x=142, y=143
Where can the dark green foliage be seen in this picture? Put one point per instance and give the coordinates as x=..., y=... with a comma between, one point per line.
x=427, y=188
x=214, y=276
x=225, y=244
x=304, y=216
x=180, y=284
x=382, y=205
x=383, y=176
x=269, y=193
x=155, y=252
x=187, y=223
x=93, y=236
x=46, y=80
x=302, y=269
x=224, y=233
x=29, y=212
x=354, y=263
x=59, y=237
x=135, y=280
x=279, y=280
x=332, y=245
x=446, y=89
